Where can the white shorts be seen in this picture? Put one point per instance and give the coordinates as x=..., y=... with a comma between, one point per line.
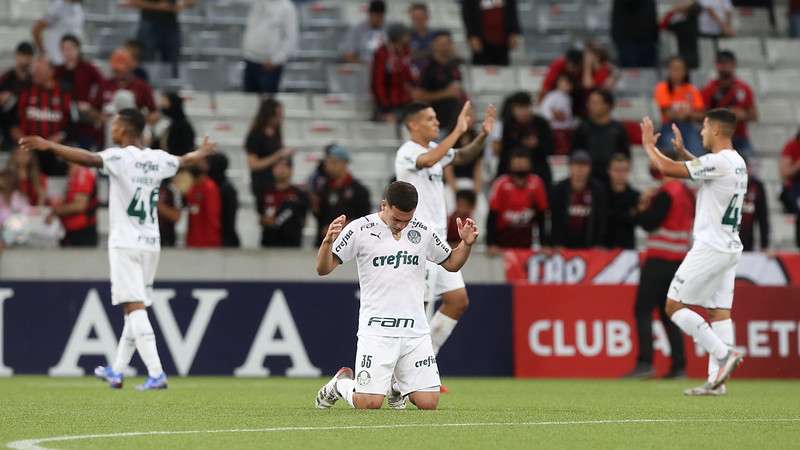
x=440, y=280
x=410, y=359
x=132, y=275
x=705, y=278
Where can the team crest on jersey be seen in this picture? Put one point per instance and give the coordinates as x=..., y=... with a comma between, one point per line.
x=363, y=378
x=414, y=236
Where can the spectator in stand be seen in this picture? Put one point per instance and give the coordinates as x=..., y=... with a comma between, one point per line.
x=623, y=201
x=682, y=21
x=681, y=105
x=421, y=36
x=178, y=138
x=578, y=207
x=159, y=29
x=134, y=47
x=755, y=212
x=492, y=30
x=338, y=192
x=517, y=200
x=556, y=107
x=83, y=81
x=78, y=209
x=716, y=18
x=270, y=38
x=391, y=75
x=45, y=110
x=12, y=83
x=634, y=30
x=229, y=200
x=123, y=79
x=587, y=69
x=439, y=82
x=463, y=174
x=264, y=146
x=205, y=210
x=790, y=174
x=600, y=135
x=466, y=199
x=524, y=129
x=30, y=180
x=794, y=18
x=285, y=207
x=169, y=212
x=364, y=39
x=12, y=201
x=62, y=17
x=728, y=91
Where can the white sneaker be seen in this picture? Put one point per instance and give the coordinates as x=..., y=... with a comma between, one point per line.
x=327, y=394
x=727, y=365
x=706, y=390
x=395, y=400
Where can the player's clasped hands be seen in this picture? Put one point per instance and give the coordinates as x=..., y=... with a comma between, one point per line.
x=467, y=230
x=334, y=229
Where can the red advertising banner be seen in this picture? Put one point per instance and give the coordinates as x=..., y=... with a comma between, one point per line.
x=589, y=332
x=614, y=267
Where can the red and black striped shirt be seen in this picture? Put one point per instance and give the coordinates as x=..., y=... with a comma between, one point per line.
x=391, y=78
x=44, y=112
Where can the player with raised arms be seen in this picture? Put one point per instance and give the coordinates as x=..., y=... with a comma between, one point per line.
x=706, y=276
x=391, y=249
x=135, y=175
x=421, y=162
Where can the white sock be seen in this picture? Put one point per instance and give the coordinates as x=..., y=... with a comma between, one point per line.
x=441, y=328
x=345, y=387
x=723, y=329
x=693, y=324
x=126, y=347
x=145, y=341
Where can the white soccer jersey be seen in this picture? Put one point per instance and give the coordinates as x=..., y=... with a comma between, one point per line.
x=719, y=201
x=429, y=182
x=391, y=273
x=135, y=177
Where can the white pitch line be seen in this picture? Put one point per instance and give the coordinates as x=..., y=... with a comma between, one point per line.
x=33, y=444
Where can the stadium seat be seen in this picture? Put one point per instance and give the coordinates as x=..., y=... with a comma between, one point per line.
x=770, y=139
x=751, y=21
x=374, y=134
x=779, y=82
x=248, y=225
x=353, y=12
x=598, y=17
x=236, y=104
x=631, y=108
x=323, y=132
x=568, y=15
x=447, y=15
x=198, y=104
x=783, y=53
x=341, y=106
x=372, y=164
x=348, y=78
x=777, y=111
x=636, y=81
x=226, y=132
x=544, y=48
x=27, y=11
x=749, y=51
x=531, y=78
x=491, y=79
x=295, y=105
x=321, y=14
x=319, y=44
x=304, y=77
x=232, y=12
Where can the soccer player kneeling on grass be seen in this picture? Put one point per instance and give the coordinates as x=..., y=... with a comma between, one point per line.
x=391, y=249
x=135, y=175
x=706, y=276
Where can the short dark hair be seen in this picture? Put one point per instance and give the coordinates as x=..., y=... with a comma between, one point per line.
x=25, y=48
x=134, y=119
x=605, y=94
x=619, y=157
x=574, y=56
x=441, y=32
x=402, y=196
x=726, y=56
x=412, y=109
x=724, y=116
x=396, y=31
x=418, y=5
x=71, y=38
x=520, y=152
x=468, y=195
x=377, y=6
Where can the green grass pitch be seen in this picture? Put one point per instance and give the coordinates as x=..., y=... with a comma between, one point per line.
x=478, y=413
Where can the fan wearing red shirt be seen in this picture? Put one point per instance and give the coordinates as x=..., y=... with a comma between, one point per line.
x=122, y=66
x=789, y=168
x=205, y=210
x=517, y=200
x=77, y=212
x=728, y=91
x=391, y=74
x=83, y=81
x=587, y=69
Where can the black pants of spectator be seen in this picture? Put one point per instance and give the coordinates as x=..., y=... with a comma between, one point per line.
x=492, y=55
x=637, y=54
x=86, y=237
x=160, y=43
x=259, y=80
x=654, y=281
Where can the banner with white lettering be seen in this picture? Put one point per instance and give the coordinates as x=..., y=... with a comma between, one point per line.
x=589, y=332
x=622, y=267
x=246, y=329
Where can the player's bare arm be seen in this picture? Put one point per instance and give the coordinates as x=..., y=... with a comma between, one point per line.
x=468, y=232
x=71, y=154
x=462, y=125
x=664, y=165
x=677, y=144
x=192, y=158
x=471, y=151
x=326, y=260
